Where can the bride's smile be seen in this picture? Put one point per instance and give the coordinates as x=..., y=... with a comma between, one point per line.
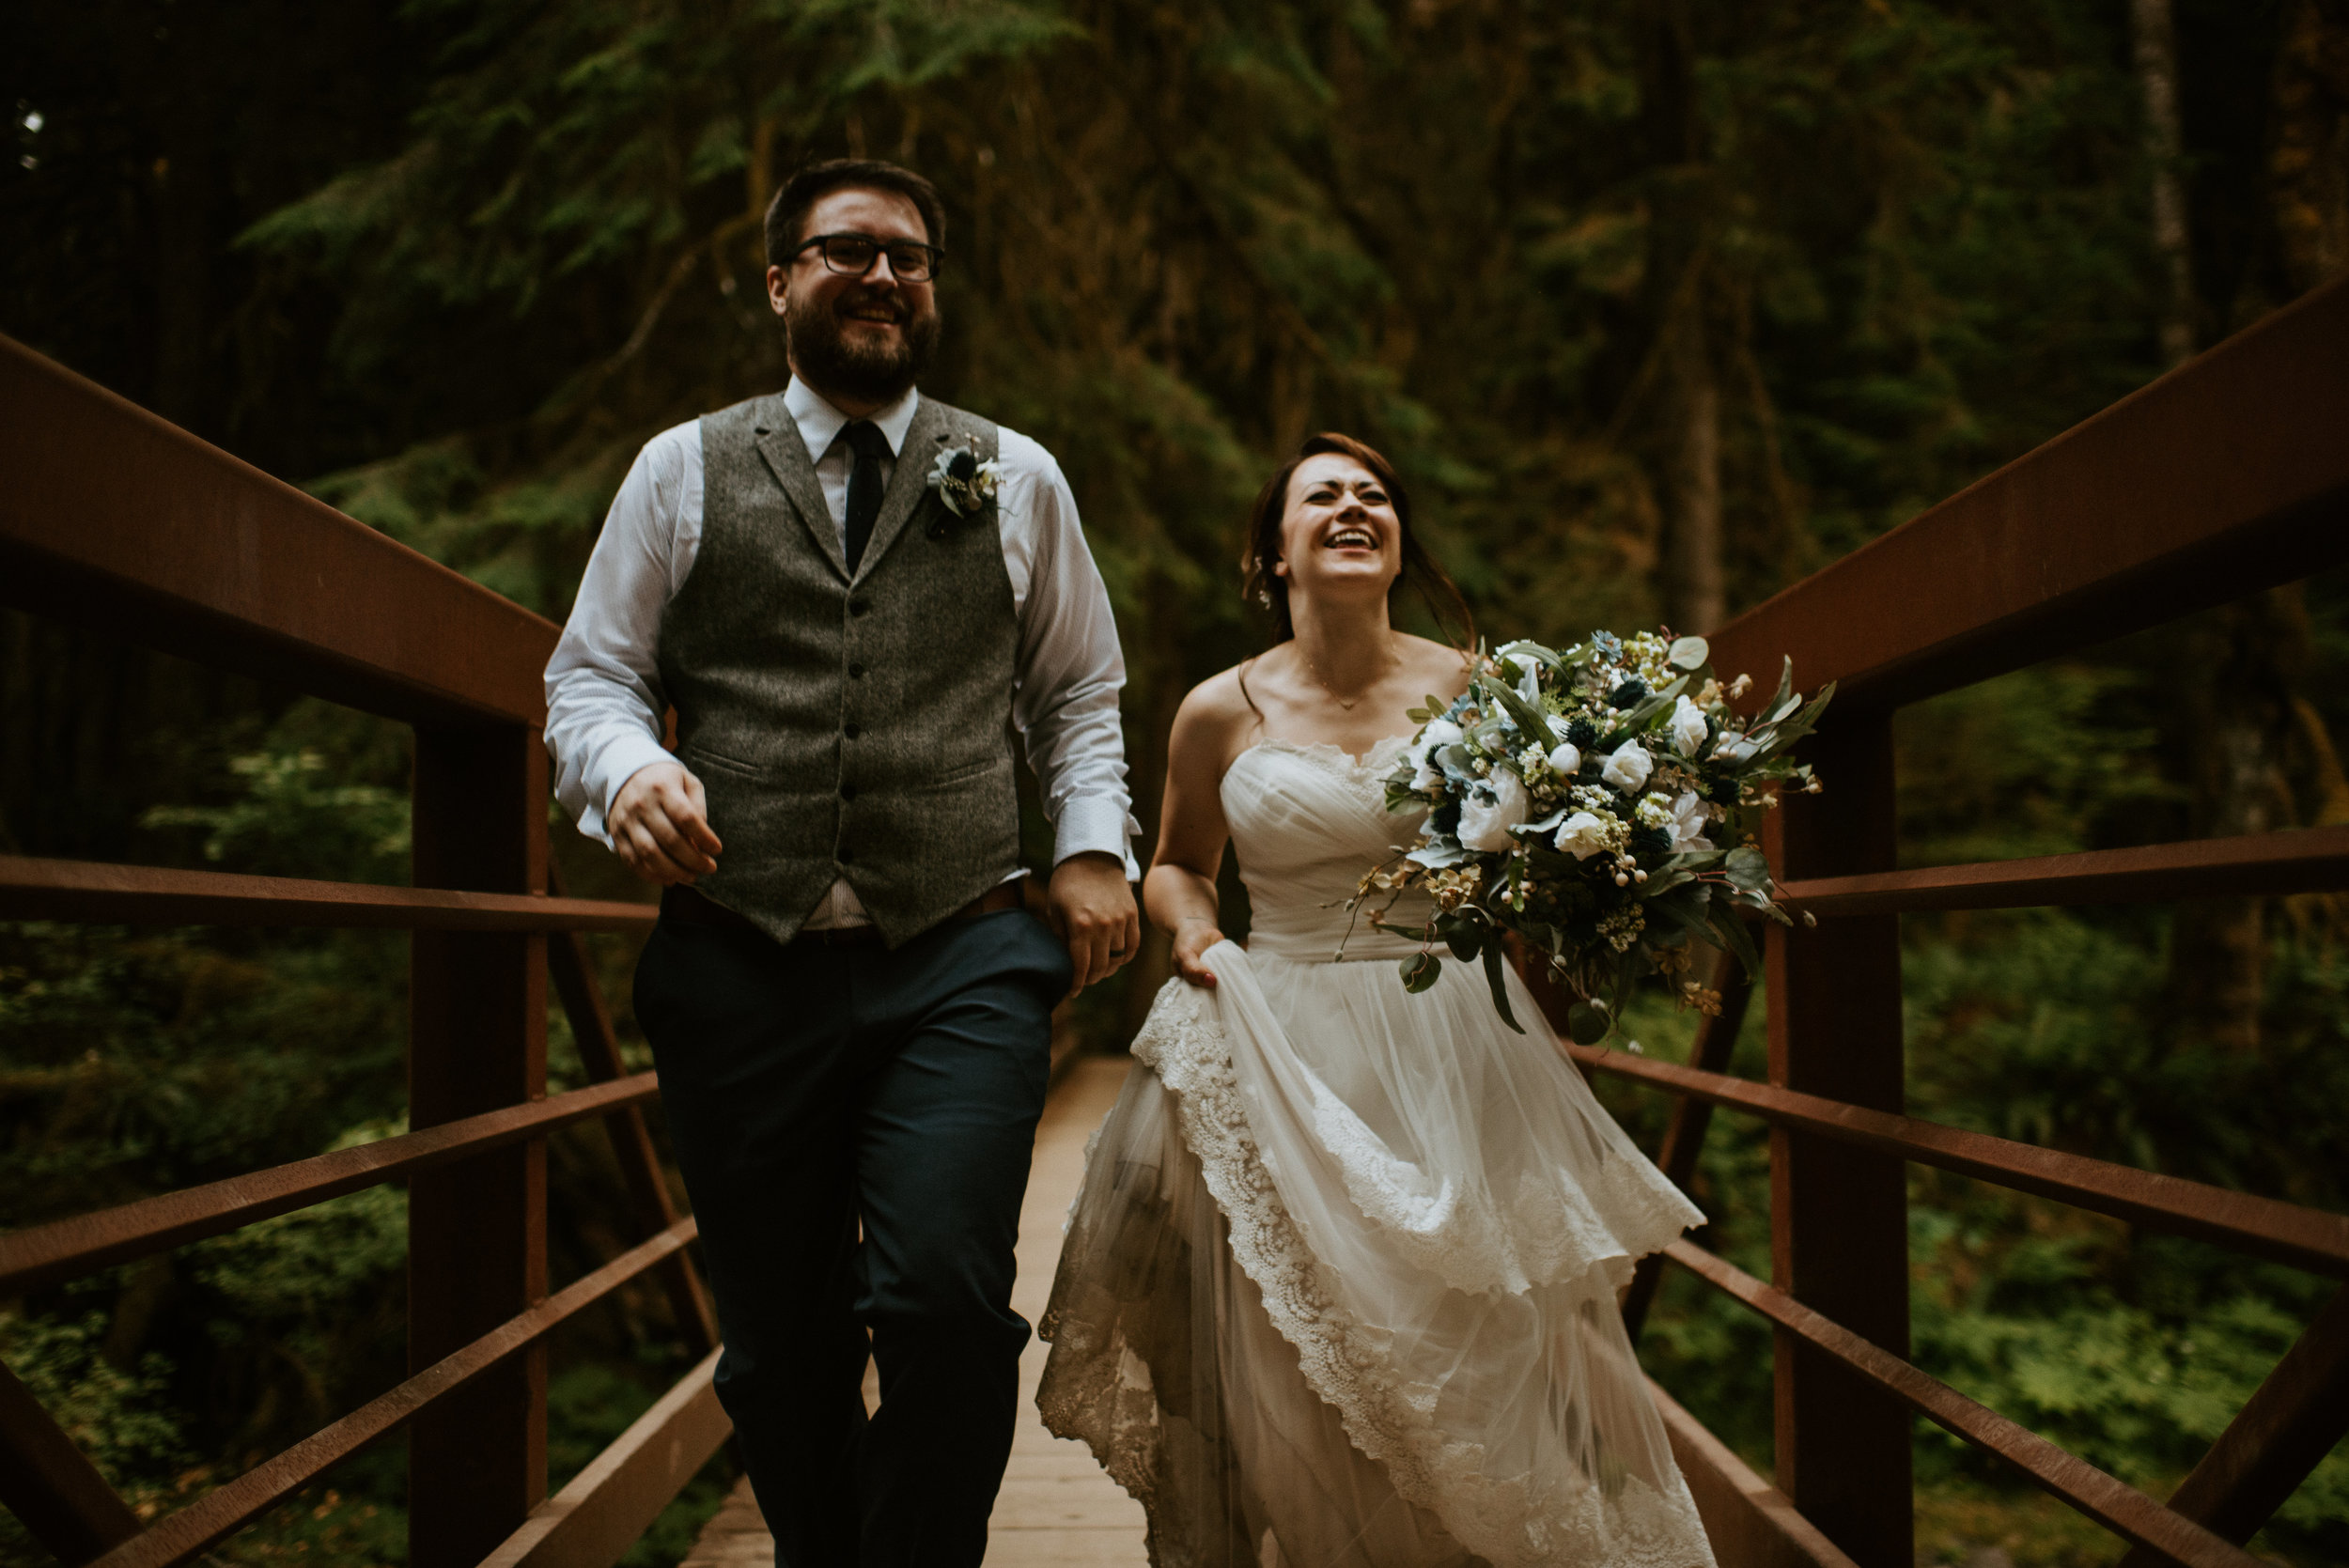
x=1341, y=534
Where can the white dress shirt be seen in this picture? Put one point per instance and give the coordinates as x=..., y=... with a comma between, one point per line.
x=604, y=703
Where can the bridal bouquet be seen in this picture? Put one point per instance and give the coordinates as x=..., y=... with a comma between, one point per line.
x=1600, y=804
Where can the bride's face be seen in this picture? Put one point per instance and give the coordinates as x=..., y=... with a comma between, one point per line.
x=1340, y=533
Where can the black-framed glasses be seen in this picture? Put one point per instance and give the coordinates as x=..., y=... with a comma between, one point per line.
x=851, y=256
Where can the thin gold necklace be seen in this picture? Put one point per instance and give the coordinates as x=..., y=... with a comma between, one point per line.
x=1315, y=670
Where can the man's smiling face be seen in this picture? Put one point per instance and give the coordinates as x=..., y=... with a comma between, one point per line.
x=859, y=341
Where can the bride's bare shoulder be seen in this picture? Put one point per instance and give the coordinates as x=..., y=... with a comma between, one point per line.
x=1217, y=704
x=1438, y=668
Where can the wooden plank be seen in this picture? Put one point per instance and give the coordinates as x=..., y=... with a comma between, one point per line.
x=91, y=890
x=2288, y=1426
x=2223, y=477
x=2305, y=859
x=219, y=1514
x=46, y=1255
x=51, y=1486
x=1751, y=1522
x=600, y=1515
x=114, y=518
x=631, y=1137
x=1839, y=1215
x=736, y=1536
x=1691, y=1116
x=2307, y=1238
x=2119, y=1507
x=477, y=1228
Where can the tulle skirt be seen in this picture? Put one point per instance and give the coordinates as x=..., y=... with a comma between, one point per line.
x=1339, y=1291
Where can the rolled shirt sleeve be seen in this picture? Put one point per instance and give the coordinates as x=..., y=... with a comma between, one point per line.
x=604, y=701
x=1070, y=667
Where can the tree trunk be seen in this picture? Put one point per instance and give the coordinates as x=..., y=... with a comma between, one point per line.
x=2155, y=36
x=2308, y=165
x=1692, y=478
x=1688, y=387
x=2242, y=718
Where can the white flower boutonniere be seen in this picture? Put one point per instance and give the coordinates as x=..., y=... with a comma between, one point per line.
x=965, y=485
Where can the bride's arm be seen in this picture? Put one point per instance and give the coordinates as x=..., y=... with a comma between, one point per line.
x=1179, y=891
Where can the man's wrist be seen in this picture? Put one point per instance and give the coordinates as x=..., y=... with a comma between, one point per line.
x=1092, y=860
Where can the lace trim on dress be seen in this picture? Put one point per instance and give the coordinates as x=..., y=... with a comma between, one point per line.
x=1621, y=1520
x=1545, y=1232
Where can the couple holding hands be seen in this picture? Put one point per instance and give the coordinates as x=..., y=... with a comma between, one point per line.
x=1340, y=1289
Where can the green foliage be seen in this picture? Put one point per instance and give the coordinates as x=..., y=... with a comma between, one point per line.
x=122, y=1419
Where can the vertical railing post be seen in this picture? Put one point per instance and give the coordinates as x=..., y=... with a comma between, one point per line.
x=1839, y=1217
x=477, y=1230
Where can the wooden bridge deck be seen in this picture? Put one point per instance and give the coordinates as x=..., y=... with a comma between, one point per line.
x=1056, y=1507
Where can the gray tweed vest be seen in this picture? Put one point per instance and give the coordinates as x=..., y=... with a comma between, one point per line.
x=844, y=726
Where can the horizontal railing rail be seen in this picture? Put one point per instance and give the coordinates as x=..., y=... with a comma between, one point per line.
x=2256, y=865
x=219, y=1514
x=2225, y=476
x=2111, y=1502
x=98, y=892
x=41, y=1256
x=2303, y=1237
x=114, y=518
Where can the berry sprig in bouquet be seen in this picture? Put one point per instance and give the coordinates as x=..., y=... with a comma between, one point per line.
x=1602, y=804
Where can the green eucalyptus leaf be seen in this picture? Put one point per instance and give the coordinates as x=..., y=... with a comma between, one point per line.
x=1493, y=973
x=1689, y=653
x=1747, y=869
x=1420, y=971
x=1460, y=936
x=1529, y=721
x=1734, y=937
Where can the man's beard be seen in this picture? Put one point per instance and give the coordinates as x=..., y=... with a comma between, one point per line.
x=831, y=362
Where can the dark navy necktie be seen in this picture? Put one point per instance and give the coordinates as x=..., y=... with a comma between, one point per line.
x=865, y=484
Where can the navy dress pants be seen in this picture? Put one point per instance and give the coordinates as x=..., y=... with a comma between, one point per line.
x=854, y=1125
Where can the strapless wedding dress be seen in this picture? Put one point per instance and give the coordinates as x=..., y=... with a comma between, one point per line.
x=1339, y=1291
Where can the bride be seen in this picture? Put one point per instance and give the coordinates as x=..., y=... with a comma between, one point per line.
x=1339, y=1291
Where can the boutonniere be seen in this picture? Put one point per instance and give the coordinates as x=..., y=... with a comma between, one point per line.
x=964, y=484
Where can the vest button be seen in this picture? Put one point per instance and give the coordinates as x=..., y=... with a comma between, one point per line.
x=845, y=856
x=851, y=731
x=859, y=606
x=848, y=792
x=856, y=672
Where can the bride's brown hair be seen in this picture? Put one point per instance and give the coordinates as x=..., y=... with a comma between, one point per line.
x=1270, y=590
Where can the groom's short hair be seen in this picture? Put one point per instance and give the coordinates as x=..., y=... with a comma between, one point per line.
x=786, y=215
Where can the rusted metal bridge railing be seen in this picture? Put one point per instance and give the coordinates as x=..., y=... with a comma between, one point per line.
x=114, y=519
x=2225, y=477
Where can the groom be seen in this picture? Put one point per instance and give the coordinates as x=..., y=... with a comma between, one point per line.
x=848, y=1005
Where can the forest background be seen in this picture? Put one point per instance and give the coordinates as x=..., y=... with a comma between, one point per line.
x=1658, y=305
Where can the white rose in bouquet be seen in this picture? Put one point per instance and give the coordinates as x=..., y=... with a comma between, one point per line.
x=1629, y=768
x=1582, y=835
x=1688, y=727
x=1421, y=754
x=1688, y=822
x=1565, y=760
x=1491, y=809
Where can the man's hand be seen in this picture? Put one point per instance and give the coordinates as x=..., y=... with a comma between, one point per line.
x=660, y=825
x=1090, y=907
